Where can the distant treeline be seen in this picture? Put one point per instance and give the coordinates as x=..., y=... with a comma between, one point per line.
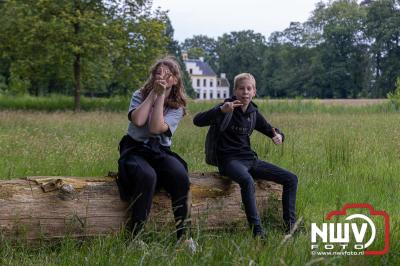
x=56, y=103
x=344, y=50
x=105, y=48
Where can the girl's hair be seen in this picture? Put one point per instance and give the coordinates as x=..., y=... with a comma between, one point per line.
x=243, y=76
x=177, y=97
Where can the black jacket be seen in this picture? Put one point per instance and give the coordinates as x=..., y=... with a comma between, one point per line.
x=234, y=142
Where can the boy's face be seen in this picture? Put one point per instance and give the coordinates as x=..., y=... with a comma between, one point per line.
x=245, y=91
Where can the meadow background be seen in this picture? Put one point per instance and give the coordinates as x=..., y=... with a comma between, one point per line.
x=341, y=154
x=342, y=151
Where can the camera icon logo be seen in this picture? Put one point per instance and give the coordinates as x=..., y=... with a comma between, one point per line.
x=354, y=235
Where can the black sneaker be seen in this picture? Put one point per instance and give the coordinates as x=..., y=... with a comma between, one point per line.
x=258, y=232
x=292, y=228
x=133, y=228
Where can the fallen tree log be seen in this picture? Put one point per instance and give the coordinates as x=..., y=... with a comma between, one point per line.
x=53, y=207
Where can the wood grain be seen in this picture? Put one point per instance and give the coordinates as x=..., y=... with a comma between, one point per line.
x=80, y=207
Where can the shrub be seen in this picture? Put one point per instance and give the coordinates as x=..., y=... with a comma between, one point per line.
x=394, y=96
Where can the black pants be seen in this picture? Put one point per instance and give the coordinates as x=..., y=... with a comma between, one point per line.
x=147, y=169
x=243, y=172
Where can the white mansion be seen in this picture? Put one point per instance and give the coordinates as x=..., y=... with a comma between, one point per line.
x=204, y=80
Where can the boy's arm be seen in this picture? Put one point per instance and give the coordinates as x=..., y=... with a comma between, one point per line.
x=264, y=127
x=208, y=117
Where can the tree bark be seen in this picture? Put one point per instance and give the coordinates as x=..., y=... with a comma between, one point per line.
x=77, y=62
x=77, y=79
x=77, y=59
x=54, y=207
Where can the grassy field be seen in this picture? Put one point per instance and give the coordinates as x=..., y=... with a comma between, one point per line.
x=118, y=103
x=341, y=155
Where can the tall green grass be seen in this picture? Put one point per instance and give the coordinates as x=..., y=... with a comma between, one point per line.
x=62, y=103
x=339, y=157
x=119, y=103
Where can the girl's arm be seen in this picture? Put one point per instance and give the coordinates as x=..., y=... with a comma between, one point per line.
x=140, y=115
x=157, y=124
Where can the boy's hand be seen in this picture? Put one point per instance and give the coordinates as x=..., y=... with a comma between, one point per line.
x=228, y=107
x=277, y=139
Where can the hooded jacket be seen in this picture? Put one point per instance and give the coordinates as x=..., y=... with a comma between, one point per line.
x=234, y=142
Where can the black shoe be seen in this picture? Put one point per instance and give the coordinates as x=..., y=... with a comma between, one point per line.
x=133, y=228
x=258, y=232
x=181, y=229
x=292, y=227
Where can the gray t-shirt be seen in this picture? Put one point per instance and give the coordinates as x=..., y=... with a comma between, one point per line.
x=142, y=134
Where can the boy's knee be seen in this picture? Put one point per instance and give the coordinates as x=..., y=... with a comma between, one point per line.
x=293, y=180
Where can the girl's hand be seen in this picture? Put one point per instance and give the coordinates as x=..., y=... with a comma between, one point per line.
x=159, y=87
x=228, y=107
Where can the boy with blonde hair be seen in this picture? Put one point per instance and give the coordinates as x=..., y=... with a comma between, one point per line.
x=236, y=159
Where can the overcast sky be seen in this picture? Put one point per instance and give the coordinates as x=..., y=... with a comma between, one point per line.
x=216, y=17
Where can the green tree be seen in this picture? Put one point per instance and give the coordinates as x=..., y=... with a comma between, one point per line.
x=241, y=52
x=343, y=50
x=287, y=71
x=382, y=28
x=394, y=96
x=174, y=49
x=101, y=44
x=202, y=46
x=138, y=42
x=287, y=63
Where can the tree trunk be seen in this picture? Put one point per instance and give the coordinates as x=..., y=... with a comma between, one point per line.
x=53, y=207
x=77, y=72
x=77, y=79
